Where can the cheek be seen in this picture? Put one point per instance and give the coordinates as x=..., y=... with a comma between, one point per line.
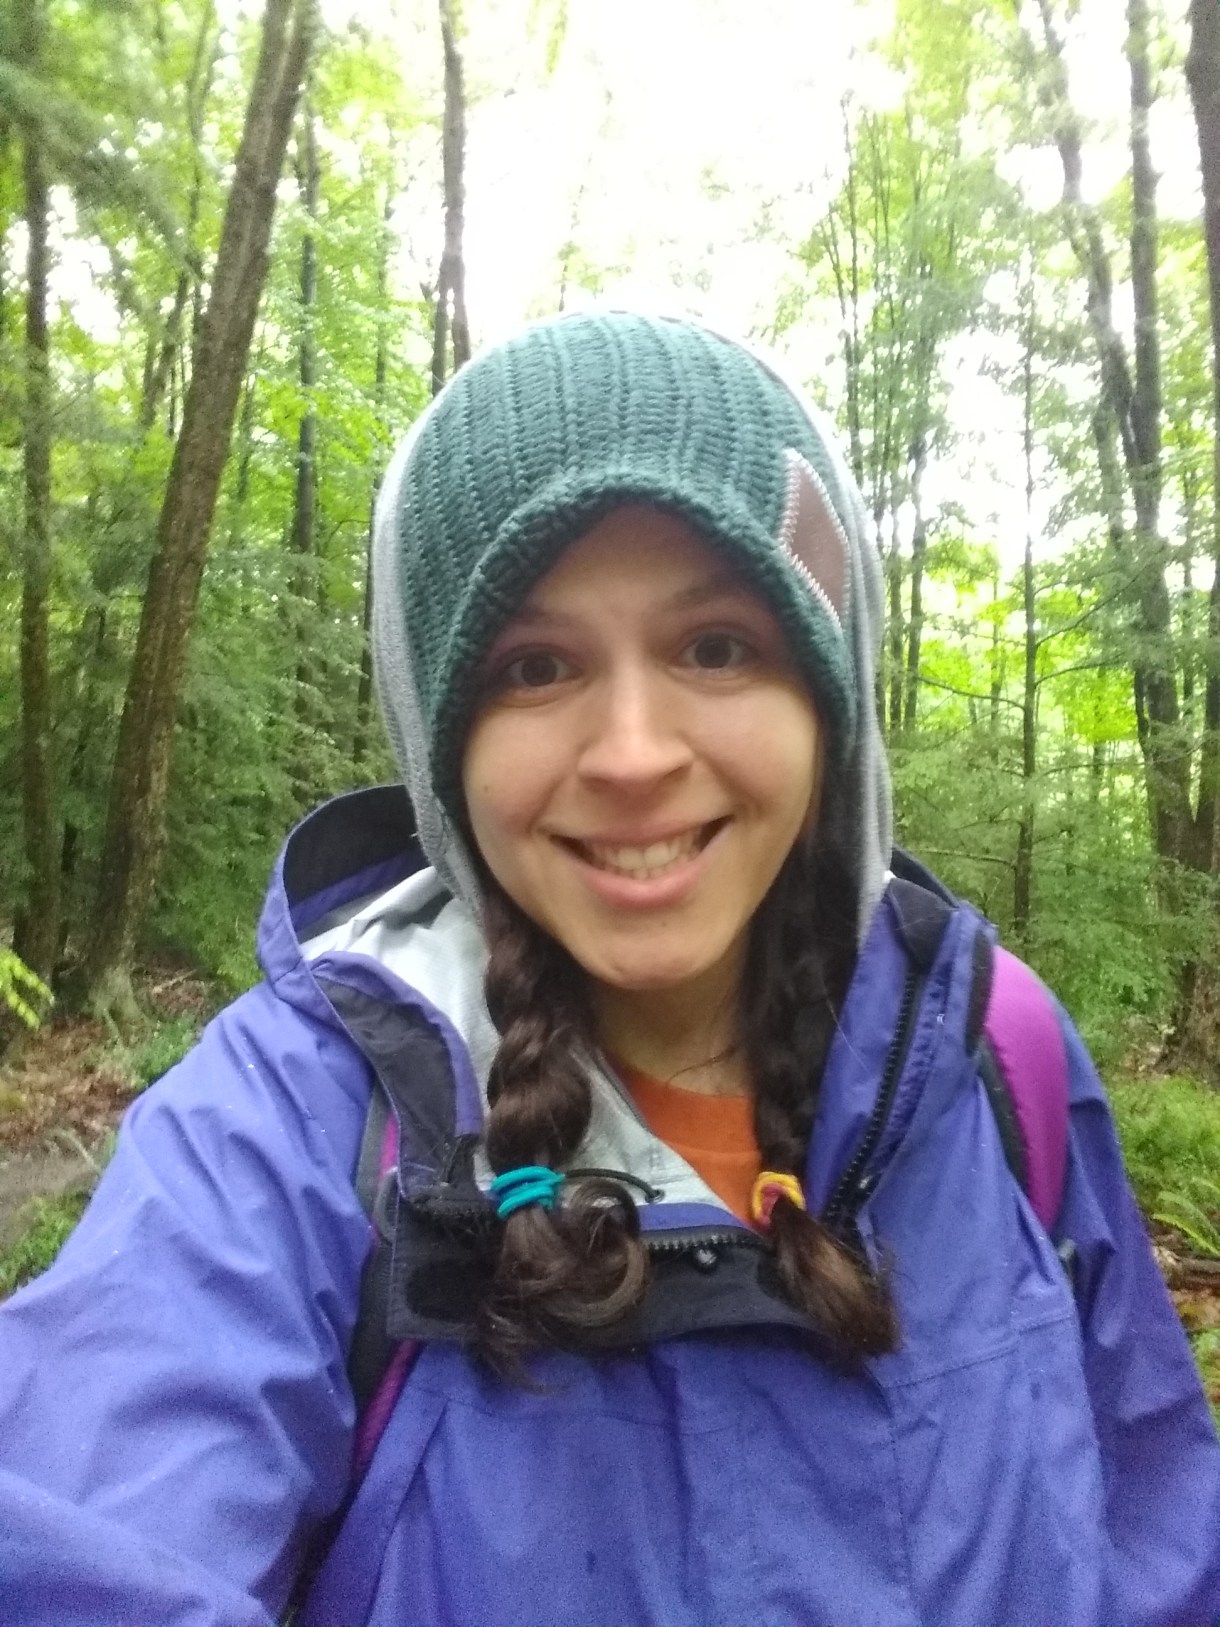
x=789, y=771
x=504, y=779
x=485, y=786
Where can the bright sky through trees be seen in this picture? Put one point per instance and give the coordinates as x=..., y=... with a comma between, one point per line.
x=672, y=152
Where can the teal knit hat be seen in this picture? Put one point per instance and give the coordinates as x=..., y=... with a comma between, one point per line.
x=529, y=446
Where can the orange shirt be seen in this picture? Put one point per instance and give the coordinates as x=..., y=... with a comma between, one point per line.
x=715, y=1134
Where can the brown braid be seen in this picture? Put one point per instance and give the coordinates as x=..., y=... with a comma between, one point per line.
x=559, y=1274
x=801, y=959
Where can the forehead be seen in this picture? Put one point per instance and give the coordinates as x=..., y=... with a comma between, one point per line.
x=639, y=552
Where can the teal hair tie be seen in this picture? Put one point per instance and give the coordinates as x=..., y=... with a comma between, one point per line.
x=518, y=1188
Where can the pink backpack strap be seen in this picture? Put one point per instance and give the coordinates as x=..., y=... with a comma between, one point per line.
x=377, y=1368
x=377, y=1390
x=1022, y=1029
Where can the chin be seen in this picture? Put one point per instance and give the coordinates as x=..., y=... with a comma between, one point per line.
x=637, y=976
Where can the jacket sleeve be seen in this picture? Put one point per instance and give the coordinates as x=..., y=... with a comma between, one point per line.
x=1160, y=1455
x=174, y=1408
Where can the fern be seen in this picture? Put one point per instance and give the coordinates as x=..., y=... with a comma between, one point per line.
x=22, y=991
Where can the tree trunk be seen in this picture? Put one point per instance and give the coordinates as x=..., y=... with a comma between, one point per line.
x=245, y=454
x=1203, y=74
x=919, y=549
x=1023, y=869
x=996, y=687
x=1188, y=638
x=165, y=348
x=1196, y=1039
x=6, y=141
x=1135, y=406
x=450, y=320
x=1170, y=752
x=364, y=688
x=847, y=286
x=89, y=710
x=304, y=541
x=140, y=781
x=37, y=931
x=897, y=632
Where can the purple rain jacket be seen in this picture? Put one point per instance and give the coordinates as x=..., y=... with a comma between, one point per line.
x=176, y=1416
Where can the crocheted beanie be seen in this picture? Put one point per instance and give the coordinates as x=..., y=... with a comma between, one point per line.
x=528, y=446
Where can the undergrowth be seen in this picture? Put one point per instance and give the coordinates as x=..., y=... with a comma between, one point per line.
x=49, y=1221
x=1170, y=1133
x=153, y=1052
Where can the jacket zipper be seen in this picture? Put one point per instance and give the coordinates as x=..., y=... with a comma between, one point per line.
x=852, y=1189
x=475, y=1217
x=661, y=1242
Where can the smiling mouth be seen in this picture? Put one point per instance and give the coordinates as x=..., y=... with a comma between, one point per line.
x=647, y=863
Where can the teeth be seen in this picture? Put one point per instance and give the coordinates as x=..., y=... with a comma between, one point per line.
x=643, y=863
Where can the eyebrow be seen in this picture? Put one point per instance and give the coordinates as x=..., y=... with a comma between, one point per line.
x=705, y=591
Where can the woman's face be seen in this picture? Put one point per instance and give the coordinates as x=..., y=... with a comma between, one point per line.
x=644, y=755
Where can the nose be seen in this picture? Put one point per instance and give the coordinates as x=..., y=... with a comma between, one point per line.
x=634, y=740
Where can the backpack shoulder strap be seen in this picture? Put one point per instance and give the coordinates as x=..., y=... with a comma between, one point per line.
x=372, y=1349
x=377, y=1366
x=1024, y=1067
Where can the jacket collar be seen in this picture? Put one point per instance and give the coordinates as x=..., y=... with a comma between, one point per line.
x=354, y=910
x=352, y=847
x=353, y=896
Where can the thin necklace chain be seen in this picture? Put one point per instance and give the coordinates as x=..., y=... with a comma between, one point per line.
x=709, y=1062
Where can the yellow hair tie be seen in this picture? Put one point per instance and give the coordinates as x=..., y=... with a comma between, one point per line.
x=769, y=1186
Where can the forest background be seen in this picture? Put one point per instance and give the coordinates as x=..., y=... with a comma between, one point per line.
x=241, y=247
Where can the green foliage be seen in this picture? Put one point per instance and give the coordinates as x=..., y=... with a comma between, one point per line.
x=1206, y=1346
x=21, y=991
x=1170, y=1134
x=155, y=1052
x=1193, y=1208
x=270, y=722
x=48, y=1222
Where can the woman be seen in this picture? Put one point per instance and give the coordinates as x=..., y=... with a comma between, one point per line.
x=722, y=1304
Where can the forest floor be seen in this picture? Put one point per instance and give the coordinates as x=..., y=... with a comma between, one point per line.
x=64, y=1089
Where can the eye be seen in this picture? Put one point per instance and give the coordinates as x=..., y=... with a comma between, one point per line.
x=717, y=652
x=536, y=669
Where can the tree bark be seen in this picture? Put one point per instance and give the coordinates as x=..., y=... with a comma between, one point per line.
x=996, y=686
x=1197, y=1024
x=37, y=931
x=919, y=549
x=897, y=630
x=364, y=687
x=140, y=781
x=1134, y=402
x=1203, y=75
x=165, y=348
x=1170, y=749
x=304, y=541
x=6, y=141
x=88, y=711
x=450, y=320
x=1023, y=869
x=847, y=288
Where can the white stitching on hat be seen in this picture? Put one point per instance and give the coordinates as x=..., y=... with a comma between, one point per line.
x=798, y=466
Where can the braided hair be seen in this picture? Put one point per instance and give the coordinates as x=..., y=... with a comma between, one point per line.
x=561, y=1276
x=802, y=953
